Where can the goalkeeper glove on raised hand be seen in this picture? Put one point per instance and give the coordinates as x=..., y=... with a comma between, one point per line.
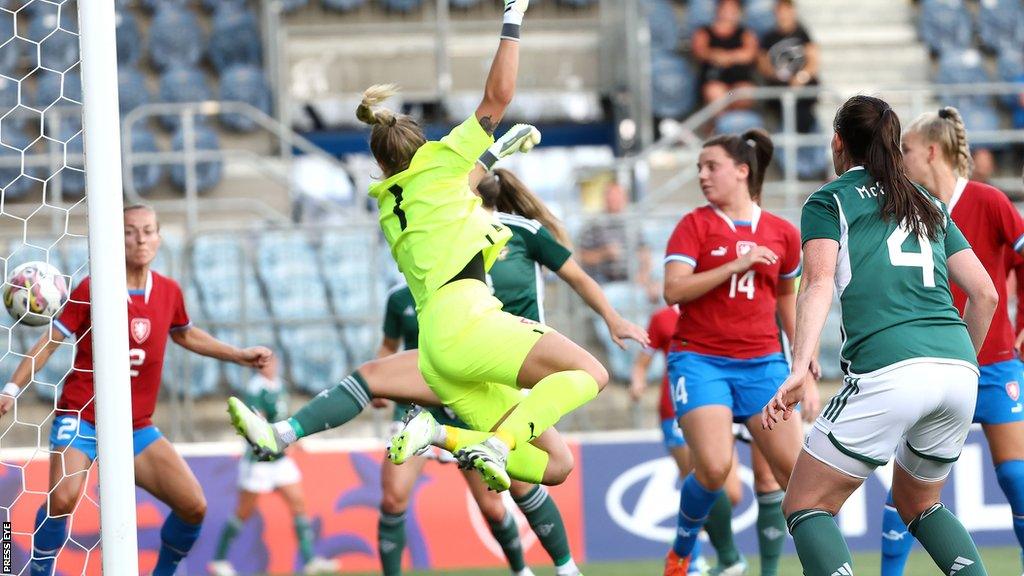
x=519, y=138
x=513, y=19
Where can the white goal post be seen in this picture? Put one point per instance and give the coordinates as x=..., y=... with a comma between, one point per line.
x=102, y=139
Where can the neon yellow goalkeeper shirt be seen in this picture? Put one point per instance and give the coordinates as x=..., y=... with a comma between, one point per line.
x=431, y=219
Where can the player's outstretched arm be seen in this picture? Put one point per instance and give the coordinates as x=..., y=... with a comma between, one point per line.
x=501, y=80
x=202, y=342
x=520, y=138
x=38, y=355
x=591, y=292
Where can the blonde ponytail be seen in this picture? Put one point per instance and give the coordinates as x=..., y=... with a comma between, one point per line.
x=395, y=138
x=373, y=96
x=946, y=128
x=964, y=162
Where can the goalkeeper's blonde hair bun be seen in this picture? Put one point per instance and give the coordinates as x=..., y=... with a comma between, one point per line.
x=373, y=96
x=395, y=138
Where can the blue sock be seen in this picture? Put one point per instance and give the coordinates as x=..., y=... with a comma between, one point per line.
x=695, y=554
x=50, y=536
x=176, y=539
x=896, y=540
x=695, y=503
x=1011, y=479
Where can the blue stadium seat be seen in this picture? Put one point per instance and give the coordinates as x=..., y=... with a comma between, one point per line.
x=315, y=357
x=155, y=5
x=673, y=85
x=945, y=24
x=980, y=117
x=1010, y=66
x=8, y=97
x=179, y=85
x=12, y=51
x=234, y=38
x=60, y=89
x=213, y=5
x=738, y=121
x=227, y=284
x=58, y=43
x=353, y=281
x=145, y=177
x=208, y=172
x=175, y=37
x=74, y=251
x=15, y=184
x=132, y=89
x=962, y=67
x=244, y=83
x=362, y=341
x=1000, y=24
x=289, y=270
x=349, y=5
x=699, y=13
x=200, y=374
x=45, y=17
x=811, y=161
x=293, y=5
x=661, y=18
x=253, y=335
x=577, y=3
x=73, y=175
x=48, y=381
x=401, y=5
x=129, y=42
x=759, y=16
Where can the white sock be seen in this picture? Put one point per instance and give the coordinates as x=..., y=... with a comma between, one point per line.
x=439, y=436
x=285, y=433
x=567, y=569
x=524, y=572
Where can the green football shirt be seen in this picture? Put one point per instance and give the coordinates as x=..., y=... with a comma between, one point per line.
x=400, y=317
x=516, y=277
x=431, y=219
x=893, y=287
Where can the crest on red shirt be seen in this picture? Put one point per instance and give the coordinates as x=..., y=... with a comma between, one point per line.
x=140, y=329
x=1013, y=390
x=743, y=247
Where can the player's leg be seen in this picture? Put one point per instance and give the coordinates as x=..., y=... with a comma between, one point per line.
x=290, y=488
x=395, y=377
x=771, y=523
x=719, y=525
x=397, y=483
x=896, y=540
x=545, y=519
x=220, y=565
x=500, y=521
x=72, y=451
x=162, y=472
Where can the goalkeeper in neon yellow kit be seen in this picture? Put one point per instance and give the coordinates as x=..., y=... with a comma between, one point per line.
x=475, y=357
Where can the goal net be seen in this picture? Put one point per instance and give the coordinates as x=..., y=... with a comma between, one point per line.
x=45, y=216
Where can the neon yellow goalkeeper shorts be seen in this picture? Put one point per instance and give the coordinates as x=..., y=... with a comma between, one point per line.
x=471, y=351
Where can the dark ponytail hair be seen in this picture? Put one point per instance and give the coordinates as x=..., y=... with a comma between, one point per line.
x=500, y=190
x=753, y=148
x=870, y=131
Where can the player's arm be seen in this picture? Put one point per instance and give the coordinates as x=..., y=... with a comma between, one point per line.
x=638, y=377
x=683, y=284
x=501, y=80
x=591, y=292
x=203, y=343
x=38, y=356
x=968, y=273
x=786, y=313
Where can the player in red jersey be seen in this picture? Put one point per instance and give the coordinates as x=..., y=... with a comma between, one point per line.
x=937, y=156
x=732, y=268
x=156, y=310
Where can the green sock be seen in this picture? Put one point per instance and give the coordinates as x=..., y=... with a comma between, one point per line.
x=553, y=397
x=227, y=536
x=391, y=542
x=332, y=408
x=947, y=542
x=507, y=534
x=719, y=529
x=771, y=530
x=820, y=544
x=304, y=534
x=546, y=520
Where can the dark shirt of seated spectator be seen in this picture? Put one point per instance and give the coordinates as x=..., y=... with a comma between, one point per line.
x=726, y=51
x=790, y=58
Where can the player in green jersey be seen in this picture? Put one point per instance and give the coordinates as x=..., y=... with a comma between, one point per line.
x=266, y=394
x=890, y=250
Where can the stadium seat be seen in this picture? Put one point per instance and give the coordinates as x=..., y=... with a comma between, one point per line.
x=58, y=44
x=12, y=51
x=213, y=5
x=759, y=16
x=350, y=272
x=8, y=98
x=59, y=96
x=234, y=38
x=180, y=85
x=155, y=5
x=200, y=374
x=252, y=335
x=129, y=41
x=401, y=5
x=14, y=183
x=314, y=361
x=293, y=5
x=1000, y=24
x=244, y=83
x=577, y=3
x=980, y=117
x=74, y=251
x=945, y=25
x=811, y=161
x=175, y=38
x=673, y=85
x=145, y=177
x=349, y=5
x=1010, y=66
x=361, y=342
x=962, y=67
x=132, y=89
x=699, y=13
x=45, y=17
x=72, y=177
x=208, y=172
x=227, y=284
x=661, y=18
x=288, y=268
x=738, y=121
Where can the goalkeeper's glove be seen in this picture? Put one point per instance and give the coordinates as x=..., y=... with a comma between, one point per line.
x=513, y=20
x=519, y=138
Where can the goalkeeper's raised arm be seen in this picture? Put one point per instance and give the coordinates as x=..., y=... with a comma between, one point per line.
x=501, y=80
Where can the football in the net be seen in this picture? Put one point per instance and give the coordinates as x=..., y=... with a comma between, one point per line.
x=34, y=292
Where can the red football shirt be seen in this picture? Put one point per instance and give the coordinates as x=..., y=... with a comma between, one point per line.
x=660, y=329
x=737, y=318
x=152, y=315
x=991, y=224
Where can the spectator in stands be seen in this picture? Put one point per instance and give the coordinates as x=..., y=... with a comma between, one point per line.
x=726, y=51
x=984, y=164
x=790, y=58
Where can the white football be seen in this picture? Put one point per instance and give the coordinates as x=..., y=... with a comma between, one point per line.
x=34, y=292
